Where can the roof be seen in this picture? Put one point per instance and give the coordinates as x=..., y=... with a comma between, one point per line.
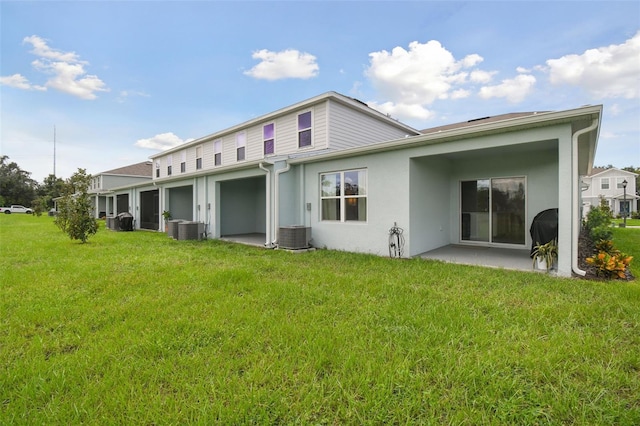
x=144, y=169
x=335, y=96
x=598, y=170
x=476, y=121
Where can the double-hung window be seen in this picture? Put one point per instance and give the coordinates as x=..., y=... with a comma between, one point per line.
x=604, y=183
x=619, y=183
x=304, y=129
x=183, y=162
x=217, y=152
x=198, y=157
x=343, y=196
x=268, y=136
x=157, y=168
x=241, y=144
x=169, y=164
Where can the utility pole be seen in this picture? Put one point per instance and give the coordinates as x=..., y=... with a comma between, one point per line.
x=54, y=150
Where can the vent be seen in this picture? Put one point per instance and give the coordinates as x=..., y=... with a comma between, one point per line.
x=190, y=230
x=294, y=237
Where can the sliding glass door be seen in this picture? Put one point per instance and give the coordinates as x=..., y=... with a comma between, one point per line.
x=493, y=210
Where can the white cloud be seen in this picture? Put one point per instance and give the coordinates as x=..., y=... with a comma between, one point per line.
x=288, y=63
x=161, y=142
x=605, y=72
x=19, y=82
x=402, y=110
x=514, y=90
x=66, y=69
x=415, y=78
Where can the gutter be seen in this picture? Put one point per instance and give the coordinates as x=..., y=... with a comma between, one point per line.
x=268, y=243
x=575, y=219
x=276, y=219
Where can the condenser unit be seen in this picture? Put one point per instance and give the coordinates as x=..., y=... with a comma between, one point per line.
x=190, y=230
x=294, y=237
x=172, y=228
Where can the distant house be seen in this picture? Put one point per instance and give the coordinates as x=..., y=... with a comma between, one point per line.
x=102, y=183
x=349, y=173
x=608, y=185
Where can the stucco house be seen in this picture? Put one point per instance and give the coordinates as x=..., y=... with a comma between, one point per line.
x=349, y=173
x=101, y=184
x=608, y=184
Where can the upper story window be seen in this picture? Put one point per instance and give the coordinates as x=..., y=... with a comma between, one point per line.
x=157, y=168
x=604, y=183
x=343, y=196
x=198, y=157
x=183, y=162
x=619, y=184
x=304, y=129
x=268, y=136
x=217, y=152
x=241, y=143
x=169, y=164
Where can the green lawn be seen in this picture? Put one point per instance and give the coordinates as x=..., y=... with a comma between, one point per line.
x=630, y=222
x=135, y=328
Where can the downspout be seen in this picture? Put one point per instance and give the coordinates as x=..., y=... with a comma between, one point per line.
x=575, y=188
x=276, y=218
x=268, y=230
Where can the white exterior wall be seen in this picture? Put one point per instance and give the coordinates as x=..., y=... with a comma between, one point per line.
x=613, y=195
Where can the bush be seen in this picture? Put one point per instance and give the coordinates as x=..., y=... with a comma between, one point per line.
x=610, y=266
x=74, y=209
x=598, y=222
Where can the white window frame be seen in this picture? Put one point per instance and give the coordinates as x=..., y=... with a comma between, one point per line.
x=619, y=182
x=183, y=162
x=343, y=197
x=241, y=146
x=272, y=139
x=217, y=152
x=157, y=168
x=604, y=181
x=198, y=157
x=169, y=165
x=309, y=129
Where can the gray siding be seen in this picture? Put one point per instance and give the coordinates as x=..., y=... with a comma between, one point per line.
x=350, y=128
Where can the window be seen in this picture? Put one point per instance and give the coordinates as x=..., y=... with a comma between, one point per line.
x=157, y=169
x=217, y=152
x=198, y=157
x=241, y=143
x=169, y=164
x=304, y=129
x=343, y=196
x=268, y=136
x=493, y=210
x=619, y=184
x=183, y=162
x=604, y=183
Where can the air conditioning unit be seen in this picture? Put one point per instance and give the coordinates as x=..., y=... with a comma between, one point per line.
x=294, y=237
x=110, y=220
x=172, y=228
x=190, y=230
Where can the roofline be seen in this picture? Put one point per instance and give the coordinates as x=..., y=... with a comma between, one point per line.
x=345, y=100
x=482, y=129
x=613, y=168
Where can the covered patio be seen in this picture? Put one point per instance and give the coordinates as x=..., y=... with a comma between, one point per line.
x=493, y=257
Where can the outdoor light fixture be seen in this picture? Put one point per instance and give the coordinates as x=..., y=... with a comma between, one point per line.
x=626, y=208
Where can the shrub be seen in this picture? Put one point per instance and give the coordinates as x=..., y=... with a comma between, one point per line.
x=610, y=266
x=74, y=213
x=607, y=247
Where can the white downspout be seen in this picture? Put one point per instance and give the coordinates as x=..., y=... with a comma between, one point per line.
x=575, y=188
x=276, y=218
x=268, y=230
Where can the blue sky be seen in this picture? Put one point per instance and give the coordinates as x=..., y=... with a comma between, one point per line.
x=121, y=80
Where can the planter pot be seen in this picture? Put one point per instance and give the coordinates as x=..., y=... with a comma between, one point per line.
x=541, y=264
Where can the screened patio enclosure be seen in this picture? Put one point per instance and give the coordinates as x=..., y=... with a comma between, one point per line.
x=242, y=206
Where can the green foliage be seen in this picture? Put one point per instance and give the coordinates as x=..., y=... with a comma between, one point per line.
x=75, y=210
x=610, y=266
x=598, y=221
x=40, y=205
x=606, y=246
x=546, y=252
x=136, y=328
x=16, y=185
x=52, y=187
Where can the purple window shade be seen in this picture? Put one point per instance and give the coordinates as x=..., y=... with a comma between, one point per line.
x=304, y=138
x=304, y=121
x=268, y=131
x=268, y=146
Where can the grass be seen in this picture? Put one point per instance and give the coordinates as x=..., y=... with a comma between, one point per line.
x=135, y=328
x=630, y=222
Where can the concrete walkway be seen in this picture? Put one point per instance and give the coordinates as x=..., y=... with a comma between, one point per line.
x=495, y=257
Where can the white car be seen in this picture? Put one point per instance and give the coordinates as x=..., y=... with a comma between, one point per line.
x=15, y=209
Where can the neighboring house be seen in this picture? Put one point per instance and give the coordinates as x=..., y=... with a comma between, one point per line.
x=608, y=185
x=102, y=183
x=350, y=173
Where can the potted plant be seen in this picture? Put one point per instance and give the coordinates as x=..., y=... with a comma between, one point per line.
x=167, y=216
x=545, y=255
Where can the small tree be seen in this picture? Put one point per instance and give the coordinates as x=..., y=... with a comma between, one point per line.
x=74, y=209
